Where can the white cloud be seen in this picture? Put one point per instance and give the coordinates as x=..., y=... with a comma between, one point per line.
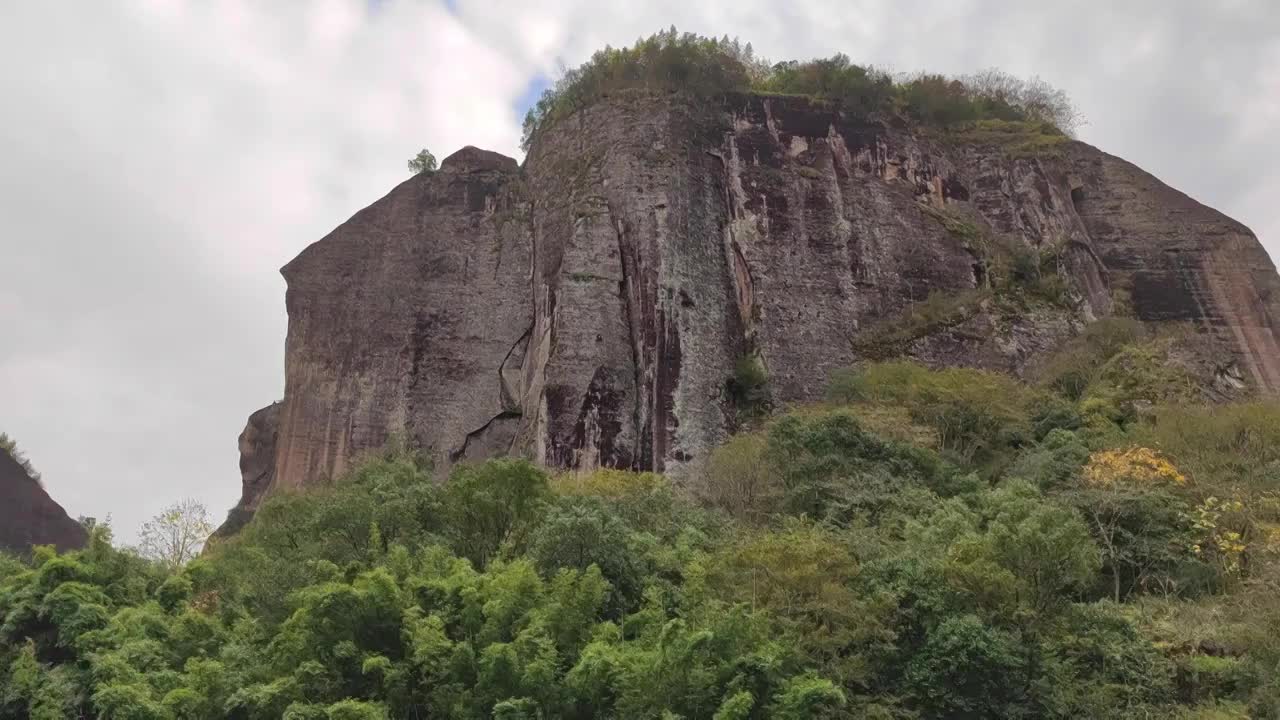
x=162, y=161
x=163, y=158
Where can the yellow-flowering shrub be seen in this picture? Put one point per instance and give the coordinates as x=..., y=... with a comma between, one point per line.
x=1271, y=540
x=1139, y=465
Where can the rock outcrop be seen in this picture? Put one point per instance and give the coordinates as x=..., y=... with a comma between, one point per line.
x=410, y=319
x=28, y=516
x=257, y=466
x=589, y=307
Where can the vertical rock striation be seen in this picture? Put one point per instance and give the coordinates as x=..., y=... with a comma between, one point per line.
x=634, y=318
x=588, y=308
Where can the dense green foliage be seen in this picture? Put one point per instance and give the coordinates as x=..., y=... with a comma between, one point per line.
x=929, y=544
x=1026, y=114
x=748, y=388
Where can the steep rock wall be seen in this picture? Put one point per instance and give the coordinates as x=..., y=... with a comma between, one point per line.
x=1177, y=260
x=589, y=308
x=630, y=279
x=407, y=320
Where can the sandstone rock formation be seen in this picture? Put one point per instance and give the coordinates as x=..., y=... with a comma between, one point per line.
x=589, y=307
x=28, y=516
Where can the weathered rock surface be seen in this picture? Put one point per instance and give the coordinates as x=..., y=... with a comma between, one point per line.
x=28, y=516
x=408, y=319
x=1180, y=261
x=588, y=308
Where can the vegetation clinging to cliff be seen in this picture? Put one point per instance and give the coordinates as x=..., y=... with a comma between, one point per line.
x=702, y=66
x=10, y=446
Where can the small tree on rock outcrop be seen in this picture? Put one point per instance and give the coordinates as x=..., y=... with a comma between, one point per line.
x=423, y=162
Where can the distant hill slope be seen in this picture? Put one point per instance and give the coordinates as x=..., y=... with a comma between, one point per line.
x=28, y=516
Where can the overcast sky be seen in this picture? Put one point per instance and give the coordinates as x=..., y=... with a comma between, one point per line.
x=160, y=160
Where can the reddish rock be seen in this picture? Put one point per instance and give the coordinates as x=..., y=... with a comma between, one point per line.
x=1181, y=261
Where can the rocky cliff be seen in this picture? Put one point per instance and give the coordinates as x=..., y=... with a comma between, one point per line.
x=28, y=516
x=590, y=307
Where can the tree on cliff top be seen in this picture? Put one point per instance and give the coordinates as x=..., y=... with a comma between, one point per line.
x=423, y=162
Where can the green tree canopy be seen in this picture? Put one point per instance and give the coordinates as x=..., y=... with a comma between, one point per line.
x=928, y=544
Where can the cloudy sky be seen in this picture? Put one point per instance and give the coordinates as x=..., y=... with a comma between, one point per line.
x=160, y=160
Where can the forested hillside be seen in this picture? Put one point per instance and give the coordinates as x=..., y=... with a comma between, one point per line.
x=926, y=544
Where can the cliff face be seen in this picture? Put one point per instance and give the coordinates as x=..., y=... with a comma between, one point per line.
x=409, y=319
x=28, y=516
x=589, y=308
x=1181, y=261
